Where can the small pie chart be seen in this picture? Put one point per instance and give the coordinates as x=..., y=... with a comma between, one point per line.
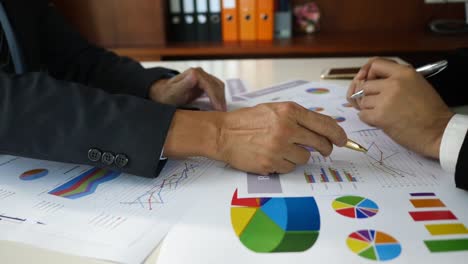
x=339, y=119
x=316, y=109
x=374, y=245
x=318, y=90
x=355, y=207
x=33, y=174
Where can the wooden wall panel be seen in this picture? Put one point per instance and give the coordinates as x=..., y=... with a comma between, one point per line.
x=117, y=23
x=140, y=23
x=380, y=15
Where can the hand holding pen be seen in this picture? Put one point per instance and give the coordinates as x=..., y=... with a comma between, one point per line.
x=427, y=71
x=401, y=102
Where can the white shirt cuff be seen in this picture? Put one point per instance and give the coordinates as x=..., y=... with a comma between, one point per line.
x=452, y=141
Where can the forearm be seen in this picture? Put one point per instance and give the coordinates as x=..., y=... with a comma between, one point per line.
x=193, y=133
x=54, y=120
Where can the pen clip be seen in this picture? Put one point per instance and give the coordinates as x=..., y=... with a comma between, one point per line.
x=432, y=69
x=436, y=72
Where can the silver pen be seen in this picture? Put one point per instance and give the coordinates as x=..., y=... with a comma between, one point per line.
x=426, y=70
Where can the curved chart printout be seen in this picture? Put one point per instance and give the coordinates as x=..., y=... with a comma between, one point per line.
x=85, y=183
x=289, y=224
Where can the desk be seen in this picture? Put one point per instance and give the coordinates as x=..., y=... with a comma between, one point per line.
x=256, y=73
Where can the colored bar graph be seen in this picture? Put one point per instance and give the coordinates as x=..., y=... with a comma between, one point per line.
x=447, y=229
x=324, y=177
x=336, y=176
x=447, y=245
x=432, y=215
x=427, y=203
x=423, y=194
x=309, y=177
x=349, y=176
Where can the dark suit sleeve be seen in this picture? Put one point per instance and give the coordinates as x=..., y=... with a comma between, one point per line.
x=70, y=57
x=461, y=171
x=450, y=82
x=48, y=119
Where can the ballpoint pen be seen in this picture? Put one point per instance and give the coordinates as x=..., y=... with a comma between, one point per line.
x=426, y=70
x=355, y=146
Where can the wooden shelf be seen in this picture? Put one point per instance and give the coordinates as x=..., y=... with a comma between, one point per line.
x=356, y=44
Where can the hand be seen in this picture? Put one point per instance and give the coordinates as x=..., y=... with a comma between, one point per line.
x=262, y=139
x=359, y=80
x=188, y=86
x=402, y=103
x=267, y=138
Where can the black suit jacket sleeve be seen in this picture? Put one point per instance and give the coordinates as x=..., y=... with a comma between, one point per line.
x=461, y=172
x=450, y=84
x=45, y=118
x=70, y=57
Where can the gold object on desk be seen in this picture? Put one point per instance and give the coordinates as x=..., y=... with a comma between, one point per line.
x=355, y=146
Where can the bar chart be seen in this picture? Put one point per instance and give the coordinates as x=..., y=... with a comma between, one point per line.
x=439, y=223
x=327, y=174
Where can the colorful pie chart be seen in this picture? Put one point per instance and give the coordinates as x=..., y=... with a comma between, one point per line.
x=316, y=109
x=318, y=90
x=33, y=174
x=277, y=224
x=339, y=119
x=374, y=245
x=355, y=207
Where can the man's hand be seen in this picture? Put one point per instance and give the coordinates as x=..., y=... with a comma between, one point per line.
x=188, y=86
x=267, y=138
x=263, y=139
x=402, y=103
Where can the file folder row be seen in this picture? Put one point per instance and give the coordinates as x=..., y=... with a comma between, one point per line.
x=228, y=20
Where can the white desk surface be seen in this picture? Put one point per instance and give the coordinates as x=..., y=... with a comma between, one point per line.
x=257, y=74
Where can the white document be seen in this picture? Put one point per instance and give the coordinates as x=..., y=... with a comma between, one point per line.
x=93, y=212
x=212, y=233
x=385, y=205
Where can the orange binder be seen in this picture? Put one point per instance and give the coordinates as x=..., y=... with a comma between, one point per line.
x=265, y=19
x=248, y=17
x=230, y=20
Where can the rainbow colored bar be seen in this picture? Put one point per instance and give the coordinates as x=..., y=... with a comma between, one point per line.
x=336, y=176
x=432, y=215
x=349, y=176
x=309, y=177
x=323, y=175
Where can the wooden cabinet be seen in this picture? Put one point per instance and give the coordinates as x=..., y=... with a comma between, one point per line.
x=136, y=28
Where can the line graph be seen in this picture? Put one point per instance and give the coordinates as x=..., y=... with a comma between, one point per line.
x=380, y=161
x=392, y=165
x=160, y=192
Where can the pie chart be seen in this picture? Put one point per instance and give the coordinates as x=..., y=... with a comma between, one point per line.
x=278, y=224
x=374, y=245
x=339, y=119
x=355, y=206
x=318, y=90
x=316, y=109
x=33, y=174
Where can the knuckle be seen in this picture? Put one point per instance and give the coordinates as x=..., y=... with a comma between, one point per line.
x=287, y=108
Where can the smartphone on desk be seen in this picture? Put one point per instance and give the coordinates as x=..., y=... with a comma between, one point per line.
x=340, y=73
